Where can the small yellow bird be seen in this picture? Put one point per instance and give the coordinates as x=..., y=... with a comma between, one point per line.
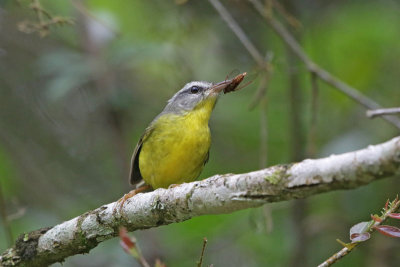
x=175, y=146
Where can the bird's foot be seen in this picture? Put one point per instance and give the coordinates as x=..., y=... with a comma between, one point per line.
x=120, y=203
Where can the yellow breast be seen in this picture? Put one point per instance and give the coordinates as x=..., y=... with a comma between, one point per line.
x=176, y=150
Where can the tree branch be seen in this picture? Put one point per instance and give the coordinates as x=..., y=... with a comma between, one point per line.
x=384, y=111
x=215, y=195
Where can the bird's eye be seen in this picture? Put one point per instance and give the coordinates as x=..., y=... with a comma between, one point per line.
x=194, y=89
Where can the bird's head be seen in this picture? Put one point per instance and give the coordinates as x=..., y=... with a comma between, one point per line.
x=198, y=94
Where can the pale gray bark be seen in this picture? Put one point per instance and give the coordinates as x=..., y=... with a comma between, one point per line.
x=215, y=195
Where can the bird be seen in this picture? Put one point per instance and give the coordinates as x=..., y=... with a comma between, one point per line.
x=176, y=145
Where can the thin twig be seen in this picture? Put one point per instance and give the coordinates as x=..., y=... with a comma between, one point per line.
x=349, y=247
x=40, y=11
x=337, y=256
x=238, y=31
x=335, y=82
x=37, y=7
x=200, y=262
x=383, y=111
x=44, y=20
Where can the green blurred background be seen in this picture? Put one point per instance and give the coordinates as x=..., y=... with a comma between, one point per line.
x=74, y=104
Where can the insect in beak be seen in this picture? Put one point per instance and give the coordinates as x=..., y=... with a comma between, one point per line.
x=228, y=85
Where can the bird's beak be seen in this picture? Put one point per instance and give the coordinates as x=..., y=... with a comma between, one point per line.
x=227, y=85
x=219, y=87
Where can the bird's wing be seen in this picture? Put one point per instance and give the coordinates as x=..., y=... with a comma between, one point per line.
x=135, y=175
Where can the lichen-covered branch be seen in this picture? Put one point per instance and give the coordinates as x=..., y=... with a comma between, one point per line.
x=215, y=195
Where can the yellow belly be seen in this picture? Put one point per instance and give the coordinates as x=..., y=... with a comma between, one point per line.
x=176, y=150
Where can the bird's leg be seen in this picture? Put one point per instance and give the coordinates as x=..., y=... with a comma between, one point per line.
x=121, y=201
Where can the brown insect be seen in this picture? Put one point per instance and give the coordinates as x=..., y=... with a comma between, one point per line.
x=234, y=83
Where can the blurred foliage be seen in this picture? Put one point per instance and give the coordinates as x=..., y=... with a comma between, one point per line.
x=74, y=104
